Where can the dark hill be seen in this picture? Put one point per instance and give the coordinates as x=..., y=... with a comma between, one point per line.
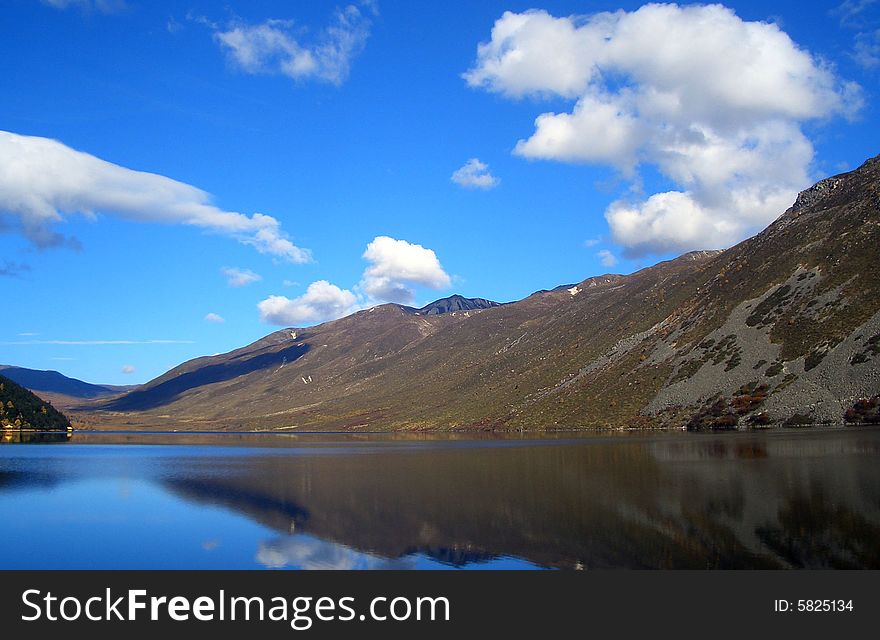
x=456, y=303
x=21, y=409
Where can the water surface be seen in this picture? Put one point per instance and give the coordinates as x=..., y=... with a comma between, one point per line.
x=804, y=498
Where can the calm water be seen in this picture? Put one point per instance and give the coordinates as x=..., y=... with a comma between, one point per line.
x=806, y=498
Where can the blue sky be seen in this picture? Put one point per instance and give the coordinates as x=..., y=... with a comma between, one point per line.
x=674, y=128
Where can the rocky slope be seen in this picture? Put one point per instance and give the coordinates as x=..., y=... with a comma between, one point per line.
x=784, y=327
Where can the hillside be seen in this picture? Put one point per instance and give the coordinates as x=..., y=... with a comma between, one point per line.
x=783, y=327
x=21, y=409
x=55, y=382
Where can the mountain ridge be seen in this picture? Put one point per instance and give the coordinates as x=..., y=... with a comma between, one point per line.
x=454, y=303
x=56, y=382
x=777, y=328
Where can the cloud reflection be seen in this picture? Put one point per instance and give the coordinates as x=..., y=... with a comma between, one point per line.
x=301, y=551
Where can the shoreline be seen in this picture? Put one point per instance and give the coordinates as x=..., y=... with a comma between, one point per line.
x=467, y=431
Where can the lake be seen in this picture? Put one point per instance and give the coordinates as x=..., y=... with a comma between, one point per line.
x=774, y=499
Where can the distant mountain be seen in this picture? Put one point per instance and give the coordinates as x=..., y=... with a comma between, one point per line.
x=21, y=409
x=54, y=382
x=455, y=303
x=783, y=327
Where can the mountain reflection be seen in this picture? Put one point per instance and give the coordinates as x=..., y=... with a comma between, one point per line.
x=692, y=502
x=828, y=535
x=787, y=499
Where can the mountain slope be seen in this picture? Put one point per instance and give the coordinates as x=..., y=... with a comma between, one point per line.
x=782, y=327
x=55, y=382
x=21, y=409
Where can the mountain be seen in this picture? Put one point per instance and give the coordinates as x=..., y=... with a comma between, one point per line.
x=783, y=327
x=21, y=409
x=455, y=303
x=54, y=382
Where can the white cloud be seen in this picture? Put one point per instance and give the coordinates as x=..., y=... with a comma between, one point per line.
x=474, y=175
x=42, y=180
x=854, y=13
x=215, y=318
x=535, y=53
x=102, y=6
x=274, y=47
x=606, y=258
x=715, y=103
x=597, y=131
x=592, y=242
x=128, y=369
x=236, y=277
x=395, y=265
x=866, y=50
x=289, y=283
x=734, y=187
x=322, y=301
x=863, y=17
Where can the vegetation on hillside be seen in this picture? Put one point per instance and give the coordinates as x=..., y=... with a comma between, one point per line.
x=864, y=411
x=21, y=409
